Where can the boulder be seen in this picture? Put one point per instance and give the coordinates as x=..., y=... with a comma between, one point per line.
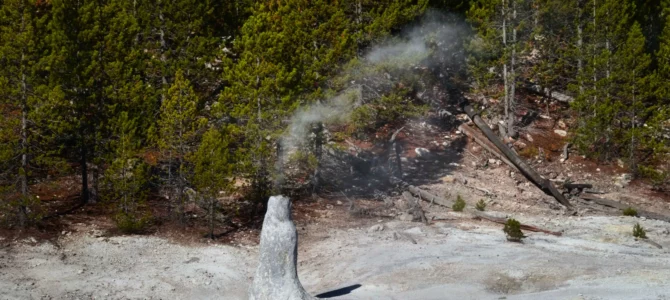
x=277, y=273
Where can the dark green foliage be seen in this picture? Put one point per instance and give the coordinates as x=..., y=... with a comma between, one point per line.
x=481, y=205
x=459, y=204
x=132, y=223
x=213, y=173
x=388, y=109
x=513, y=230
x=639, y=232
x=630, y=212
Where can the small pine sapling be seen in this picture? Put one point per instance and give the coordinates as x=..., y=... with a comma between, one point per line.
x=630, y=212
x=459, y=205
x=513, y=231
x=639, y=232
x=481, y=205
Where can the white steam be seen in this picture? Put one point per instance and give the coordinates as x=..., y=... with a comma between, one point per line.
x=405, y=53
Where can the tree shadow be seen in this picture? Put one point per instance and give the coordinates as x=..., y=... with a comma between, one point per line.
x=338, y=292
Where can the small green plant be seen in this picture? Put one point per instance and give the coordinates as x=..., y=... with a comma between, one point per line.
x=481, y=205
x=529, y=152
x=131, y=223
x=459, y=205
x=639, y=232
x=630, y=212
x=513, y=230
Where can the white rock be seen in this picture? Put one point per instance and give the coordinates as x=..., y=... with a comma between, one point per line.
x=560, y=132
x=376, y=228
x=421, y=152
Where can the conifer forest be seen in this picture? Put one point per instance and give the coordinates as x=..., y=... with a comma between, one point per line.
x=153, y=110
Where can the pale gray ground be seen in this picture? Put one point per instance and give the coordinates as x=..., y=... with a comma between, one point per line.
x=597, y=258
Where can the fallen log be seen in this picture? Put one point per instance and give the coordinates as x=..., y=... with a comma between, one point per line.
x=650, y=242
x=503, y=221
x=621, y=206
x=486, y=144
x=426, y=196
x=571, y=186
x=524, y=168
x=536, y=88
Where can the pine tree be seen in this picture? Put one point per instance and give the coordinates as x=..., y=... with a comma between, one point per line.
x=76, y=63
x=633, y=78
x=127, y=175
x=177, y=134
x=213, y=172
x=19, y=84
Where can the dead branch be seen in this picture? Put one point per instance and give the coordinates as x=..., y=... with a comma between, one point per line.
x=650, y=242
x=536, y=88
x=415, y=208
x=580, y=186
x=405, y=235
x=622, y=206
x=529, y=172
x=565, y=152
x=426, y=196
x=395, y=134
x=503, y=221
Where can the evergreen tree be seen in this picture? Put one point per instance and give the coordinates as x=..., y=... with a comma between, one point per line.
x=501, y=36
x=76, y=63
x=633, y=78
x=177, y=134
x=127, y=175
x=213, y=172
x=19, y=84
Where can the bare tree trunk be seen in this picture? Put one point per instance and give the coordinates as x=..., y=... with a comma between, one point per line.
x=161, y=32
x=23, y=173
x=580, y=41
x=632, y=160
x=512, y=80
x=211, y=218
x=84, y=171
x=595, y=49
x=506, y=100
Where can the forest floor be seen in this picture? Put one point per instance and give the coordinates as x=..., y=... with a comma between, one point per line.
x=345, y=257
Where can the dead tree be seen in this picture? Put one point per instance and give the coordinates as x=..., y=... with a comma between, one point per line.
x=395, y=148
x=277, y=273
x=533, y=176
x=318, y=150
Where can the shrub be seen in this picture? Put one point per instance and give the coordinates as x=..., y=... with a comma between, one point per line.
x=481, y=205
x=14, y=207
x=513, y=230
x=639, y=232
x=131, y=223
x=459, y=205
x=630, y=212
x=659, y=178
x=529, y=152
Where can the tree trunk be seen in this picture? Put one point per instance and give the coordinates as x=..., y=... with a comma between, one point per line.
x=506, y=79
x=580, y=42
x=542, y=183
x=512, y=80
x=277, y=273
x=211, y=218
x=84, y=173
x=23, y=173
